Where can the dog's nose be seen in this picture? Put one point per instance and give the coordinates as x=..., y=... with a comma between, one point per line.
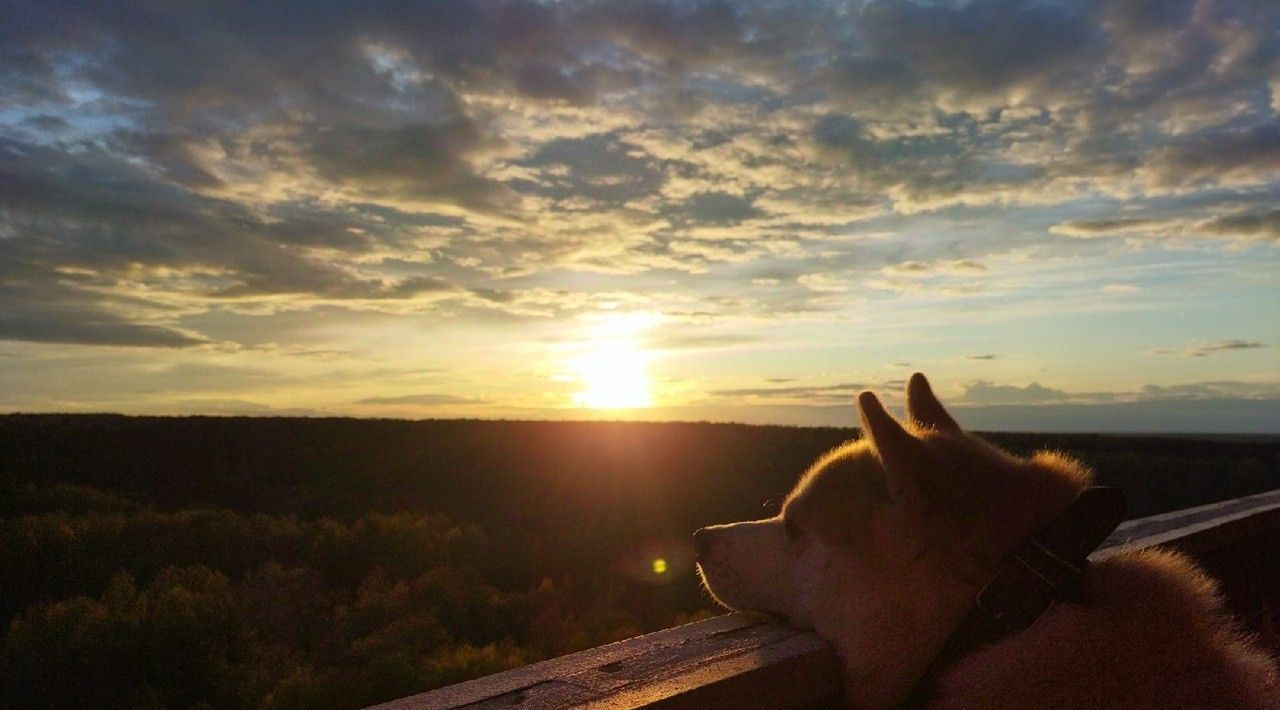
x=701, y=540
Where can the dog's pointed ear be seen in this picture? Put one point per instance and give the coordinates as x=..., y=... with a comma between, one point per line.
x=905, y=457
x=924, y=408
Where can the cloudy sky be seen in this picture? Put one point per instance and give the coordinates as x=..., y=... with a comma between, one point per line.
x=1067, y=213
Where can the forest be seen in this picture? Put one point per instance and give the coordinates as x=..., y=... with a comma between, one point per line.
x=335, y=563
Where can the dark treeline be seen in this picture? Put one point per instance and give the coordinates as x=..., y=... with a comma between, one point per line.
x=307, y=563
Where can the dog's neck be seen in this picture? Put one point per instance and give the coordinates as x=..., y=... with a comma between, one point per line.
x=1048, y=568
x=887, y=644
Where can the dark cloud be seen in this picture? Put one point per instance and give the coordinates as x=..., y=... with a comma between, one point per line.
x=95, y=208
x=921, y=168
x=1260, y=225
x=170, y=153
x=544, y=80
x=601, y=167
x=864, y=78
x=848, y=135
x=46, y=123
x=75, y=324
x=422, y=161
x=1131, y=17
x=92, y=231
x=298, y=52
x=669, y=30
x=1215, y=156
x=718, y=208
x=983, y=47
x=1213, y=348
x=984, y=356
x=1256, y=226
x=49, y=308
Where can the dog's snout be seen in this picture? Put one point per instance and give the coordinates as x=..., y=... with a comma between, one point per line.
x=702, y=541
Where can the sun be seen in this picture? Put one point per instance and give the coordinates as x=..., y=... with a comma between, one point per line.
x=613, y=376
x=613, y=370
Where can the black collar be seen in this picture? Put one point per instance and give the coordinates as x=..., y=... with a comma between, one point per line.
x=1048, y=568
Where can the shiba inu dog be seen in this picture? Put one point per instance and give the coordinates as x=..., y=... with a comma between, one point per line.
x=886, y=541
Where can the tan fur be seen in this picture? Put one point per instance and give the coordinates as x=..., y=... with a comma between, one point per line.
x=896, y=533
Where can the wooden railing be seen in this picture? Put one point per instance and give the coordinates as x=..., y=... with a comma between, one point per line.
x=743, y=660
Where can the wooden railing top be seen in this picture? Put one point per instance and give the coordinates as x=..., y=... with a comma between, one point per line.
x=746, y=660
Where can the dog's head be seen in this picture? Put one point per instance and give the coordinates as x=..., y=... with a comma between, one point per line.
x=888, y=536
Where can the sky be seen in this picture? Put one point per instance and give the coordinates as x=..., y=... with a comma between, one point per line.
x=1067, y=214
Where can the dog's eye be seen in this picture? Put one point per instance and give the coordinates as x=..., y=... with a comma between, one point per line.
x=793, y=531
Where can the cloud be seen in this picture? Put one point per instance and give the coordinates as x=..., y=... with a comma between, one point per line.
x=1213, y=348
x=718, y=208
x=1197, y=416
x=602, y=167
x=984, y=356
x=1244, y=155
x=432, y=399
x=503, y=160
x=920, y=268
x=983, y=392
x=1204, y=406
x=702, y=341
x=845, y=392
x=1202, y=416
x=78, y=327
x=955, y=47
x=668, y=31
x=1088, y=229
x=1243, y=227
x=544, y=80
x=45, y=308
x=423, y=161
x=1256, y=225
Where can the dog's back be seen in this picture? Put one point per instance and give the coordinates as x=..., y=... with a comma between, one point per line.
x=1153, y=635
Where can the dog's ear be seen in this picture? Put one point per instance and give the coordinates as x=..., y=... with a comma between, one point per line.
x=924, y=408
x=905, y=457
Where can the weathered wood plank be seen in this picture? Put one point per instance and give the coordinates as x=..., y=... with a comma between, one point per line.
x=796, y=671
x=542, y=696
x=719, y=662
x=462, y=694
x=1192, y=529
x=688, y=658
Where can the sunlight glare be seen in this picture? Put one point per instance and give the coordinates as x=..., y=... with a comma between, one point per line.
x=614, y=369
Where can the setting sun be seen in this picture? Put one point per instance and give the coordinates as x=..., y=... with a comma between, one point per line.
x=613, y=371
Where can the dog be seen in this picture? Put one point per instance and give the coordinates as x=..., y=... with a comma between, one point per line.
x=885, y=542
